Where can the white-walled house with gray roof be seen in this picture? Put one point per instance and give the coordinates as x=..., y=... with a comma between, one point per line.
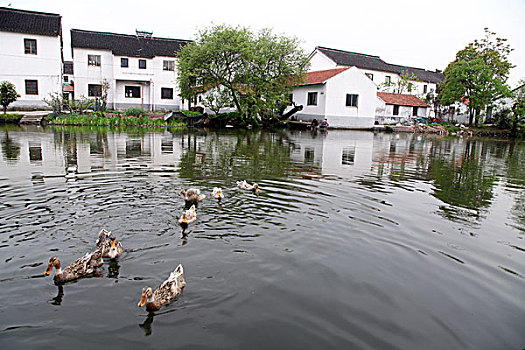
x=140, y=69
x=375, y=68
x=31, y=55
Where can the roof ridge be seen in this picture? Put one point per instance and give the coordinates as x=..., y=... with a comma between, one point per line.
x=31, y=12
x=125, y=35
x=352, y=52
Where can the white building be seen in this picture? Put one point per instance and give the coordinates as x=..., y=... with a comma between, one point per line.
x=375, y=68
x=344, y=96
x=31, y=55
x=399, y=107
x=140, y=69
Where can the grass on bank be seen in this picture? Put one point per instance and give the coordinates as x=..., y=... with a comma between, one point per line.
x=10, y=118
x=101, y=119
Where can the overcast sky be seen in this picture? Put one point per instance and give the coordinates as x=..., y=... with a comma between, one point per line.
x=423, y=34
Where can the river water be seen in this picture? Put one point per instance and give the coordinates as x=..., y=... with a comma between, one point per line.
x=356, y=241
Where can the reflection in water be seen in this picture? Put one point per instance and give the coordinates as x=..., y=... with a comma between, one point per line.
x=10, y=148
x=58, y=299
x=465, y=181
x=146, y=325
x=113, y=269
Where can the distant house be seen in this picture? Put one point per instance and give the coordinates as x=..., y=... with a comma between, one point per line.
x=344, y=96
x=68, y=84
x=31, y=51
x=140, y=69
x=375, y=68
x=399, y=107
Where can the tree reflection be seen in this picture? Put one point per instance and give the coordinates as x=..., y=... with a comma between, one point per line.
x=516, y=178
x=10, y=148
x=463, y=181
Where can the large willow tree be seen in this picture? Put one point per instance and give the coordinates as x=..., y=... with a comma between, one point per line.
x=254, y=72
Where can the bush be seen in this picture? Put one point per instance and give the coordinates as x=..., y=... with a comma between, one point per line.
x=10, y=118
x=134, y=112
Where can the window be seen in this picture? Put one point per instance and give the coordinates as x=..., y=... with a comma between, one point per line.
x=166, y=93
x=124, y=62
x=132, y=91
x=370, y=75
x=94, y=90
x=168, y=65
x=351, y=100
x=30, y=46
x=93, y=60
x=414, y=111
x=66, y=78
x=348, y=156
x=142, y=64
x=312, y=99
x=388, y=79
x=31, y=87
x=424, y=89
x=396, y=110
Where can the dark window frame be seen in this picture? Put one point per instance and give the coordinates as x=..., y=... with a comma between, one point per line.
x=66, y=78
x=166, y=93
x=31, y=87
x=414, y=111
x=425, y=87
x=142, y=62
x=94, y=60
x=396, y=110
x=352, y=100
x=126, y=64
x=388, y=79
x=30, y=46
x=94, y=90
x=311, y=98
x=168, y=65
x=132, y=91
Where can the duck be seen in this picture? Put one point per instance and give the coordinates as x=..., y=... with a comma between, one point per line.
x=108, y=243
x=188, y=216
x=81, y=267
x=193, y=195
x=243, y=185
x=164, y=293
x=217, y=193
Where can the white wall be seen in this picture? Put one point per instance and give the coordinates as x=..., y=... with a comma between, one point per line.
x=319, y=61
x=351, y=81
x=151, y=80
x=45, y=67
x=300, y=97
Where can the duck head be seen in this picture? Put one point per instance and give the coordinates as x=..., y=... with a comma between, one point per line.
x=146, y=297
x=113, y=251
x=256, y=188
x=53, y=262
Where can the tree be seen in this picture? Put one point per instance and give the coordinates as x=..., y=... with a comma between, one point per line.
x=478, y=75
x=405, y=83
x=253, y=72
x=8, y=94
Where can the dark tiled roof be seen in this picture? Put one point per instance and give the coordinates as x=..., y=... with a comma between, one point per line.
x=30, y=22
x=320, y=76
x=68, y=67
x=126, y=45
x=345, y=58
x=401, y=100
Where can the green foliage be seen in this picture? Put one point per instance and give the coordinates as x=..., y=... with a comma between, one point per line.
x=190, y=113
x=135, y=112
x=478, y=74
x=59, y=103
x=101, y=119
x=405, y=84
x=10, y=118
x=8, y=94
x=252, y=71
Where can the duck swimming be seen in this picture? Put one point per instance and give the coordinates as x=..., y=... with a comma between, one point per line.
x=110, y=246
x=81, y=267
x=188, y=216
x=243, y=185
x=193, y=195
x=164, y=293
x=217, y=193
